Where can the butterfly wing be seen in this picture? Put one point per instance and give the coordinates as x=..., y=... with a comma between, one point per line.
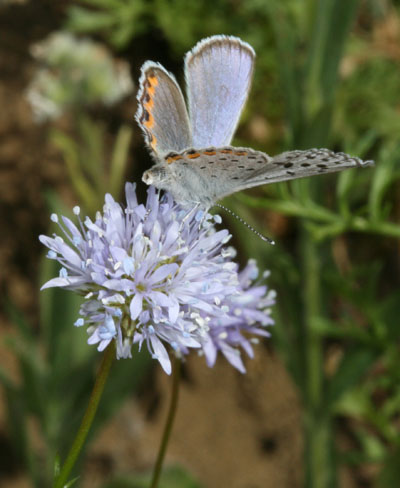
x=218, y=73
x=161, y=112
x=213, y=173
x=299, y=164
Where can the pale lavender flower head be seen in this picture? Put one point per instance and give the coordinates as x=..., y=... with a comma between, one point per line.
x=155, y=274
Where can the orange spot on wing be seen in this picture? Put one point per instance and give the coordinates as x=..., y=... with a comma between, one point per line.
x=193, y=156
x=210, y=153
x=153, y=79
x=171, y=159
x=240, y=153
x=149, y=105
x=147, y=101
x=226, y=151
x=150, y=122
x=153, y=82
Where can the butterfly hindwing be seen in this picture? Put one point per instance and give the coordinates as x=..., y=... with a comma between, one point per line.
x=206, y=175
x=218, y=72
x=162, y=113
x=222, y=171
x=299, y=164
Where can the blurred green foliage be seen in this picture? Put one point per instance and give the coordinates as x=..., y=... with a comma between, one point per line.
x=73, y=74
x=85, y=158
x=327, y=74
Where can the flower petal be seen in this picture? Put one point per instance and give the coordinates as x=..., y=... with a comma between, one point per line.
x=162, y=272
x=136, y=306
x=160, y=353
x=72, y=281
x=160, y=299
x=173, y=310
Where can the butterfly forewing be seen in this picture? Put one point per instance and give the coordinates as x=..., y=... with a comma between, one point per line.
x=162, y=113
x=218, y=74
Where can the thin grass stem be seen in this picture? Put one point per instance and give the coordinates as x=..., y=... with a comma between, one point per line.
x=176, y=373
x=88, y=418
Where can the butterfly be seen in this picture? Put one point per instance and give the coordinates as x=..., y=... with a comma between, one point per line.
x=191, y=144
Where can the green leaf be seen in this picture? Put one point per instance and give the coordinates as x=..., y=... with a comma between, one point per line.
x=72, y=482
x=389, y=476
x=64, y=342
x=355, y=363
x=344, y=186
x=384, y=176
x=119, y=160
x=57, y=466
x=290, y=74
x=70, y=151
x=91, y=153
x=83, y=20
x=328, y=33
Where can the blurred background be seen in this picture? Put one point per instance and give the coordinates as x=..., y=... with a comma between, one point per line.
x=319, y=405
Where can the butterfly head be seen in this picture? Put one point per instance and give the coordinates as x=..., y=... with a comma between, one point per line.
x=158, y=176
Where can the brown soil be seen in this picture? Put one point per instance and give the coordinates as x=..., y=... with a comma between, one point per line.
x=231, y=430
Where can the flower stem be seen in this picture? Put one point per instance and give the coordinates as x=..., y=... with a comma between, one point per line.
x=87, y=420
x=176, y=373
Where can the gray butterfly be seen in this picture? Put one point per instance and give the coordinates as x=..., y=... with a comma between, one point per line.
x=194, y=159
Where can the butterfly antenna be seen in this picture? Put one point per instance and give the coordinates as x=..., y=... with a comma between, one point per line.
x=261, y=236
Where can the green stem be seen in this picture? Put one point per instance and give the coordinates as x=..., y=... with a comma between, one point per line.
x=320, y=469
x=312, y=301
x=87, y=420
x=176, y=373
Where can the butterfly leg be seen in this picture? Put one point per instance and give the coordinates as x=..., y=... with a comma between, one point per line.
x=186, y=217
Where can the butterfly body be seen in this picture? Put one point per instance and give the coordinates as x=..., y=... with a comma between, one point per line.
x=194, y=159
x=215, y=174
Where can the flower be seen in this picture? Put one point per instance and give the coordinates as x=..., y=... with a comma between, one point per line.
x=156, y=274
x=248, y=307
